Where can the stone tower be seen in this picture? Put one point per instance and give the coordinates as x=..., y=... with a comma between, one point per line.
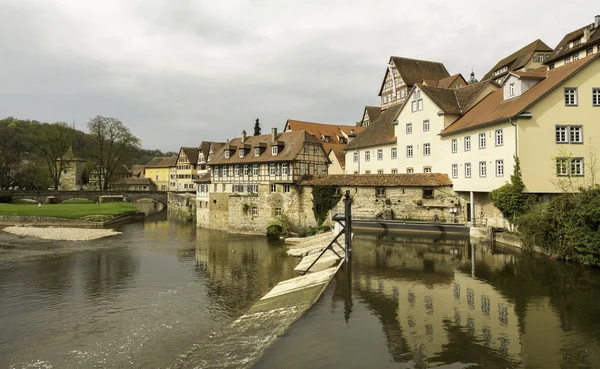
x=73, y=168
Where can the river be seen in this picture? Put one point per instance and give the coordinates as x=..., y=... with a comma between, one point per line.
x=145, y=298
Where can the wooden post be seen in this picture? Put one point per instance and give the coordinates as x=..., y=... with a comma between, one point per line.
x=348, y=224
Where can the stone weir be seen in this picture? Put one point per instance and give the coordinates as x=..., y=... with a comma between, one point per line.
x=243, y=342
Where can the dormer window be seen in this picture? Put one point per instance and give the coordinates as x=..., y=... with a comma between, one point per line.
x=257, y=151
x=241, y=153
x=576, y=42
x=512, y=89
x=366, y=123
x=501, y=70
x=227, y=154
x=274, y=150
x=327, y=138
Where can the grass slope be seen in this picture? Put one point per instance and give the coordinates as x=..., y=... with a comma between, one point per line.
x=69, y=211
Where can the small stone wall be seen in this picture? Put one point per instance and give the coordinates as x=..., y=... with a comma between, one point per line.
x=183, y=203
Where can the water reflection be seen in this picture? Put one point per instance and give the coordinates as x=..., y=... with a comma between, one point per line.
x=448, y=303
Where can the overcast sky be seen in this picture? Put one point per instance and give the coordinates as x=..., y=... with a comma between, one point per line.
x=181, y=71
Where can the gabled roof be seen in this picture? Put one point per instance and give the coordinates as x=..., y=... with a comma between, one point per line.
x=378, y=180
x=494, y=109
x=290, y=145
x=137, y=170
x=191, y=153
x=518, y=59
x=162, y=162
x=373, y=112
x=452, y=100
x=448, y=82
x=205, y=148
x=339, y=155
x=562, y=49
x=379, y=132
x=415, y=71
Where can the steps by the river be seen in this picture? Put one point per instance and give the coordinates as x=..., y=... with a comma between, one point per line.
x=243, y=342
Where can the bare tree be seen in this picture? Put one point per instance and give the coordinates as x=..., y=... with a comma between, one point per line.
x=112, y=142
x=51, y=142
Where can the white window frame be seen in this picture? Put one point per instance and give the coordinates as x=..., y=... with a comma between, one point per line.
x=427, y=170
x=409, y=151
x=499, y=137
x=286, y=188
x=278, y=212
x=246, y=170
x=355, y=156
x=454, y=170
x=595, y=96
x=394, y=153
x=272, y=169
x=254, y=211
x=379, y=154
x=577, y=168
x=368, y=155
x=467, y=140
x=500, y=168
x=255, y=170
x=426, y=125
x=257, y=151
x=284, y=169
x=427, y=149
x=511, y=89
x=576, y=130
x=227, y=154
x=272, y=188
x=236, y=170
x=468, y=171
x=482, y=140
x=483, y=169
x=410, y=170
x=241, y=153
x=454, y=145
x=408, y=128
x=274, y=150
x=570, y=94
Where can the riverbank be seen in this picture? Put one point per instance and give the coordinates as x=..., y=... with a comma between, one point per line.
x=62, y=234
x=68, y=211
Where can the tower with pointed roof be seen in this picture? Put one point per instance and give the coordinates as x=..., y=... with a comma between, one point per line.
x=73, y=168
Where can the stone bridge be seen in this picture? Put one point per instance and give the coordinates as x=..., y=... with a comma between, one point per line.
x=132, y=196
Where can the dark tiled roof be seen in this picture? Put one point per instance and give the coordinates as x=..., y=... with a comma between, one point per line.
x=562, y=49
x=137, y=170
x=134, y=181
x=530, y=75
x=319, y=131
x=518, y=59
x=450, y=100
x=162, y=162
x=293, y=142
x=379, y=180
x=380, y=131
x=373, y=112
x=191, y=153
x=415, y=71
x=450, y=82
x=493, y=108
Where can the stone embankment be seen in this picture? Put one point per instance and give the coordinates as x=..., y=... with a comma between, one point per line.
x=62, y=234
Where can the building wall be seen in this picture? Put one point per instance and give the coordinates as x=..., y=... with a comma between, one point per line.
x=580, y=54
x=373, y=165
x=334, y=167
x=537, y=145
x=72, y=175
x=160, y=176
x=489, y=155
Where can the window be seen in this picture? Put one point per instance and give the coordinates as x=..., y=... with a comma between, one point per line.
x=368, y=155
x=286, y=188
x=568, y=60
x=217, y=172
x=394, y=152
x=410, y=170
x=246, y=171
x=589, y=51
x=408, y=128
x=225, y=174
x=551, y=66
x=356, y=172
x=428, y=193
x=576, y=42
x=569, y=134
x=427, y=149
x=562, y=166
x=316, y=150
x=241, y=153
x=380, y=191
x=379, y=171
x=499, y=137
x=273, y=188
x=482, y=169
x=577, y=166
x=467, y=170
x=257, y=151
x=227, y=153
x=576, y=134
x=454, y=170
x=255, y=170
x=394, y=171
x=454, y=145
x=367, y=172
x=237, y=170
x=482, y=140
x=409, y=151
x=355, y=156
x=426, y=125
x=379, y=154
x=512, y=89
x=596, y=96
x=272, y=169
x=277, y=212
x=274, y=150
x=570, y=96
x=284, y=169
x=252, y=188
x=254, y=211
x=467, y=143
x=499, y=168
x=426, y=169
x=575, y=56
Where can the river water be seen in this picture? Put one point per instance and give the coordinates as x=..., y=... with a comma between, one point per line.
x=145, y=298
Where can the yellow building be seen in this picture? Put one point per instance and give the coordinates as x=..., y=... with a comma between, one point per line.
x=159, y=170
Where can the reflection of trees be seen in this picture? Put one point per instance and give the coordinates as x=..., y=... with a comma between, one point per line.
x=240, y=269
x=108, y=272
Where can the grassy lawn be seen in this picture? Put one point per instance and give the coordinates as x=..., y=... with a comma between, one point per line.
x=70, y=211
x=77, y=201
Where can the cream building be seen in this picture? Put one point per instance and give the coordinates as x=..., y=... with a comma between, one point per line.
x=187, y=171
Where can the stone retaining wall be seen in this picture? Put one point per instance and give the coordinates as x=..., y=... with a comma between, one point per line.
x=182, y=202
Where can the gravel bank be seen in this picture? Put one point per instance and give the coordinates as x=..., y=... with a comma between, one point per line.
x=62, y=234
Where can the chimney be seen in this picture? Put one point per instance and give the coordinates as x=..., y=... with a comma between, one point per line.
x=597, y=21
x=273, y=134
x=243, y=136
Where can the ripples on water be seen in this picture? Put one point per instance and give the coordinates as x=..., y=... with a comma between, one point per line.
x=144, y=298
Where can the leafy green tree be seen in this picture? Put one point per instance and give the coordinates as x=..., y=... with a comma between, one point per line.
x=511, y=199
x=256, y=128
x=112, y=143
x=51, y=142
x=15, y=153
